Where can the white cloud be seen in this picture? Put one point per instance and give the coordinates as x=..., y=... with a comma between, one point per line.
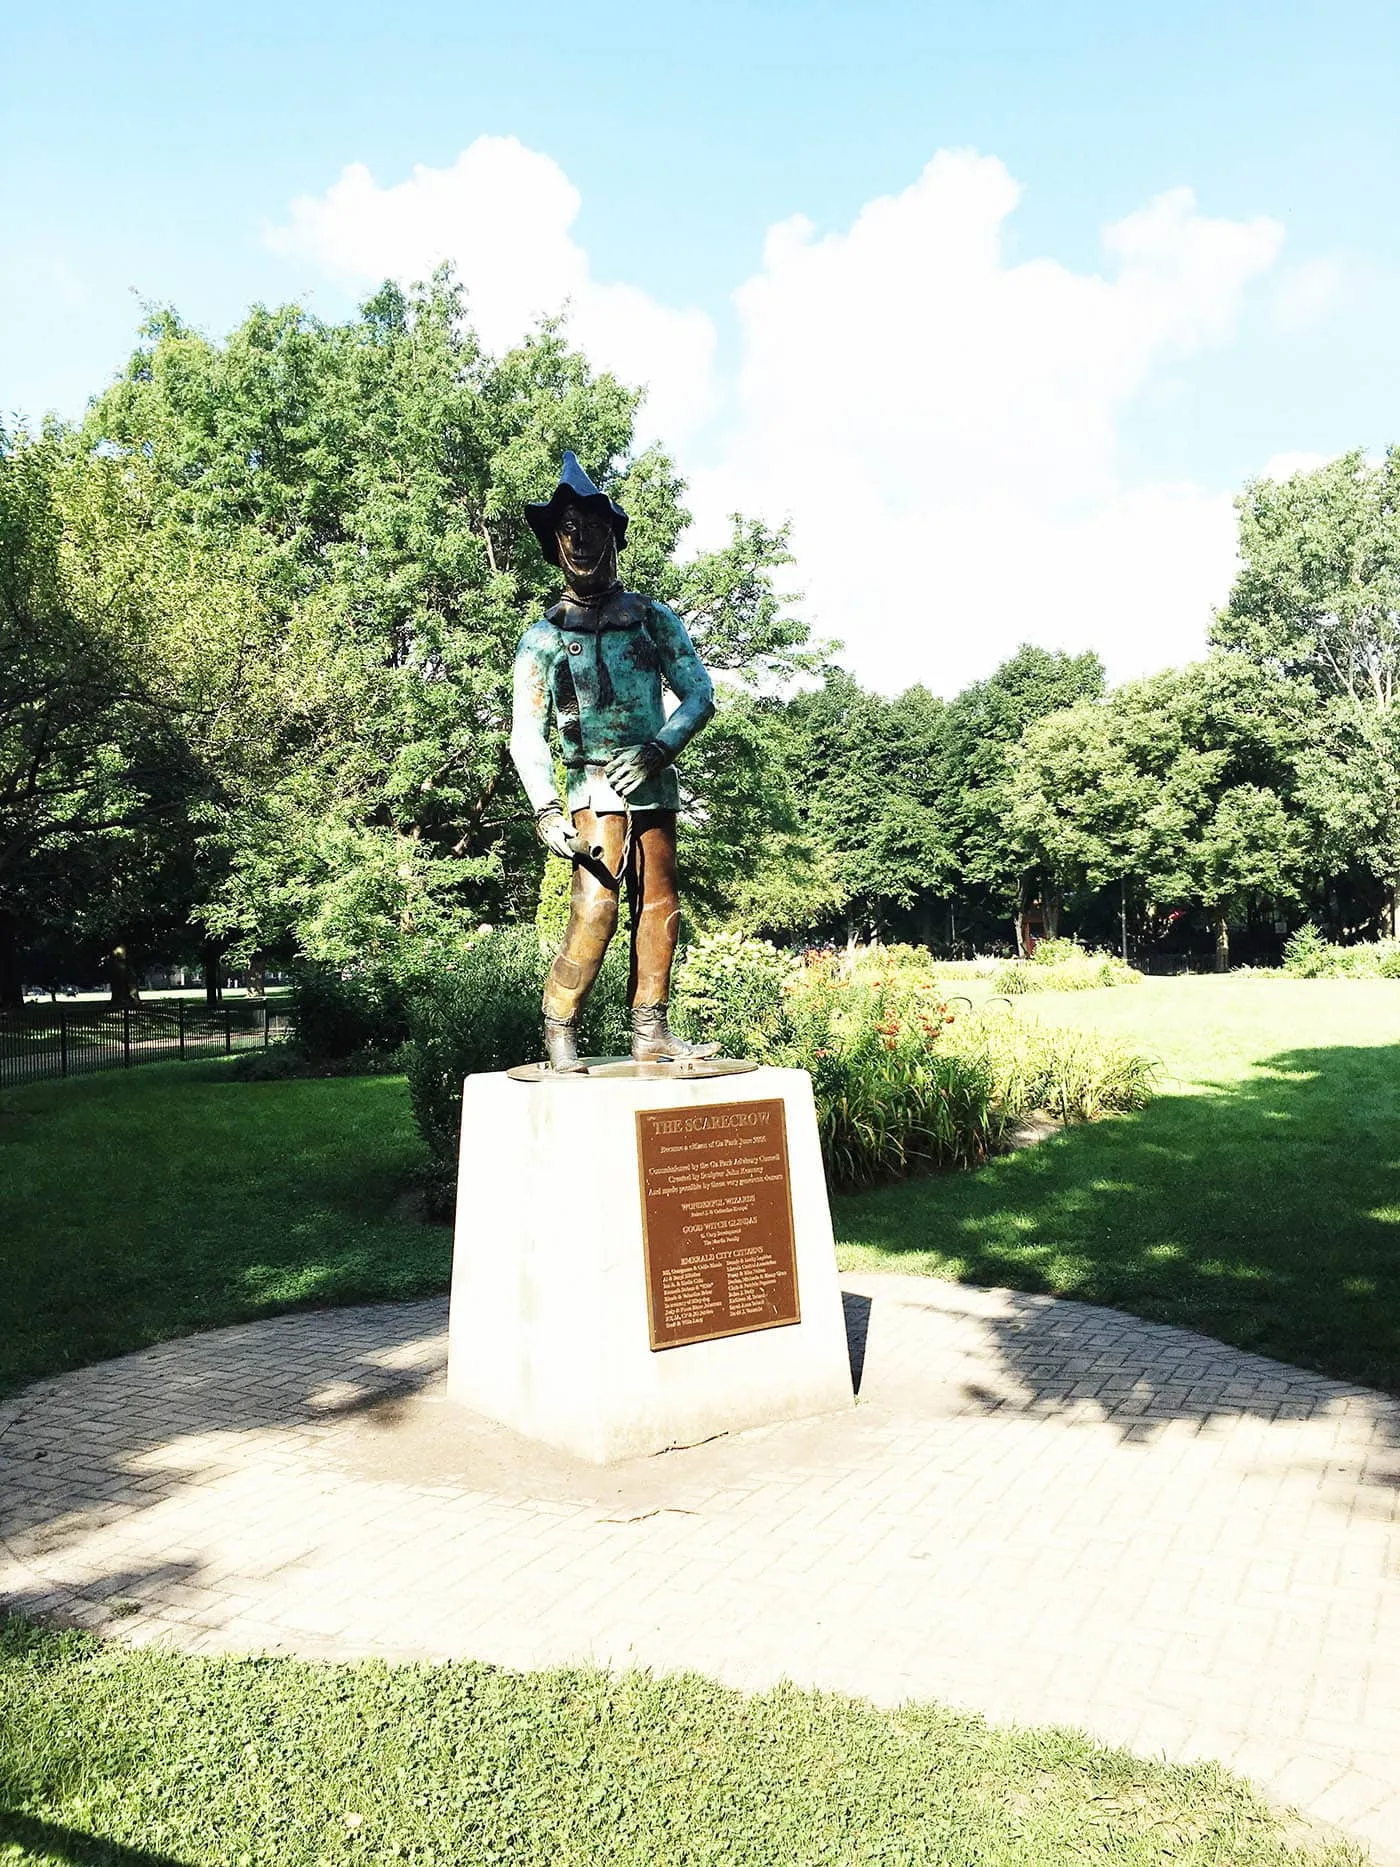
x=503, y=214
x=941, y=425
x=942, y=428
x=1284, y=466
x=1305, y=293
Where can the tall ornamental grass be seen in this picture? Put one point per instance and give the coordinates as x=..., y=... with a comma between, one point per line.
x=1055, y=966
x=905, y=1082
x=1064, y=966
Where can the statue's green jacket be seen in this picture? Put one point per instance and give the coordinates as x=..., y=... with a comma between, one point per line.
x=598, y=674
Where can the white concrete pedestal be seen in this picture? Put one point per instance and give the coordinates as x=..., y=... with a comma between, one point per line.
x=549, y=1322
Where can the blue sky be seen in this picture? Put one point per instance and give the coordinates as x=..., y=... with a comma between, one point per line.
x=1253, y=321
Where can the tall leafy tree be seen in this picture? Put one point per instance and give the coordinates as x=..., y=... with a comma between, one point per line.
x=371, y=475
x=120, y=666
x=869, y=788
x=984, y=723
x=1182, y=786
x=1318, y=599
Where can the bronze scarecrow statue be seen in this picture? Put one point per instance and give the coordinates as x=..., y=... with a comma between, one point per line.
x=596, y=663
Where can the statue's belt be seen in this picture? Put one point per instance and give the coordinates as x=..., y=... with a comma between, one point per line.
x=601, y=764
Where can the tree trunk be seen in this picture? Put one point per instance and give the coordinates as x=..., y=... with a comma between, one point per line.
x=1395, y=908
x=1222, y=942
x=213, y=974
x=122, y=975
x=257, y=976
x=1050, y=911
x=1023, y=908
x=11, y=984
x=1123, y=912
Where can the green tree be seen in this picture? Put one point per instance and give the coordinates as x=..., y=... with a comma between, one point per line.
x=983, y=725
x=866, y=771
x=369, y=477
x=1349, y=787
x=120, y=668
x=1078, y=801
x=1181, y=786
x=1318, y=599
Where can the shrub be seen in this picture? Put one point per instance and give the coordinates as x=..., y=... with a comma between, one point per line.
x=885, y=961
x=279, y=1062
x=274, y=1064
x=1055, y=952
x=889, y=1101
x=965, y=969
x=1306, y=953
x=904, y=1085
x=1074, y=1075
x=481, y=1011
x=729, y=990
x=1063, y=966
x=334, y=1016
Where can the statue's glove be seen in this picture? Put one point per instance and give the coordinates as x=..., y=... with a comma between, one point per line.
x=555, y=831
x=629, y=769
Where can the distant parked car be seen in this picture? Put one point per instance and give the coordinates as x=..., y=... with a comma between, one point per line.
x=68, y=991
x=34, y=991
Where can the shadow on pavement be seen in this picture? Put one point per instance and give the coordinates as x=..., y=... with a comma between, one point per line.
x=1265, y=1214
x=857, y=1314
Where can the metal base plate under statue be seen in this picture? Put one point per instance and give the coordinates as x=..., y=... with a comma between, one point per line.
x=644, y=1260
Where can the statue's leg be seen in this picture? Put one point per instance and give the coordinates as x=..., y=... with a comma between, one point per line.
x=656, y=920
x=655, y=905
x=592, y=920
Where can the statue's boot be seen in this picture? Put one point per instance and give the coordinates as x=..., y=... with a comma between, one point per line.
x=561, y=1044
x=654, y=1042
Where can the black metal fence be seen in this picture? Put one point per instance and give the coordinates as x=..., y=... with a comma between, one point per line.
x=73, y=1040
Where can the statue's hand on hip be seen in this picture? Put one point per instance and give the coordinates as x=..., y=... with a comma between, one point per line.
x=628, y=769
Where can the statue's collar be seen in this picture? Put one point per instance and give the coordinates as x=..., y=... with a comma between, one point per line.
x=593, y=599
x=618, y=609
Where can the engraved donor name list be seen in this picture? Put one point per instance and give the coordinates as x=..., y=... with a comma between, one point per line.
x=716, y=1221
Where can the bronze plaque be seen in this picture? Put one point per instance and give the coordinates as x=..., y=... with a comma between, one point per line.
x=716, y=1221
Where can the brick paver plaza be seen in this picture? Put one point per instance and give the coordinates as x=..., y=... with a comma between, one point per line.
x=1044, y=1511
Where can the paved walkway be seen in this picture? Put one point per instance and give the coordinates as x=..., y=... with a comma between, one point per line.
x=1041, y=1510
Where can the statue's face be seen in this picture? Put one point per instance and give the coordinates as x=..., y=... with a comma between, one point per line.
x=587, y=547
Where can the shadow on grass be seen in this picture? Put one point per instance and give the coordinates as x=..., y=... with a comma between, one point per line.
x=71, y=1845
x=134, y=1209
x=1264, y=1213
x=224, y=1384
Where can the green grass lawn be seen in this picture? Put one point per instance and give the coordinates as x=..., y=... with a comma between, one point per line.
x=146, y=1759
x=136, y=1206
x=1257, y=1199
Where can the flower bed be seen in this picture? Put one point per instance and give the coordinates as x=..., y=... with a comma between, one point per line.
x=905, y=1081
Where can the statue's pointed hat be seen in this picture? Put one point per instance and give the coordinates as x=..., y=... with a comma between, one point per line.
x=574, y=485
